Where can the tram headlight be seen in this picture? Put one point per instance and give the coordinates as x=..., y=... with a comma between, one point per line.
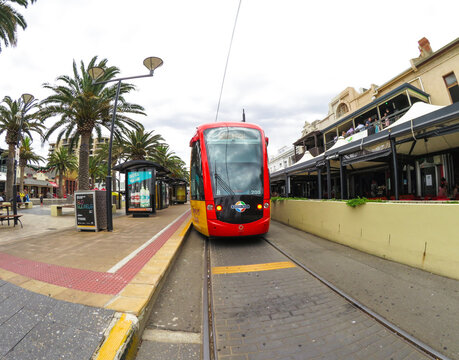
x=219, y=208
x=266, y=205
x=259, y=206
x=210, y=207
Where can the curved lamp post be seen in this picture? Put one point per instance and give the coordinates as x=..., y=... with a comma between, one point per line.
x=151, y=63
x=27, y=100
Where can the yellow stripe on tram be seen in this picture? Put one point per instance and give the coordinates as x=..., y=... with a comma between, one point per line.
x=251, y=268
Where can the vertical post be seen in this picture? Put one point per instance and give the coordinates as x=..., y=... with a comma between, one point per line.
x=16, y=155
x=395, y=168
x=329, y=187
x=108, y=180
x=319, y=182
x=287, y=185
x=342, y=178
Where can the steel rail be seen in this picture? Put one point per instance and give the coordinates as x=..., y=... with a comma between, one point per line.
x=209, y=348
x=426, y=349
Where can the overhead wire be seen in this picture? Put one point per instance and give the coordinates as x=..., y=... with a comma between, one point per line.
x=227, y=60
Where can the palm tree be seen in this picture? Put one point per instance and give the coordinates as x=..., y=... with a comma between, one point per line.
x=10, y=123
x=83, y=107
x=139, y=144
x=9, y=20
x=63, y=161
x=97, y=170
x=26, y=156
x=169, y=160
x=101, y=156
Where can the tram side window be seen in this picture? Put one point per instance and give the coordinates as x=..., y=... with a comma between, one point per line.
x=197, y=185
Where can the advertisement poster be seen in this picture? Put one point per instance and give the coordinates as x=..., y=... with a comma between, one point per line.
x=84, y=208
x=140, y=192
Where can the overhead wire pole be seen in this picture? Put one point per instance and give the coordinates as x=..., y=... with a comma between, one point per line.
x=227, y=60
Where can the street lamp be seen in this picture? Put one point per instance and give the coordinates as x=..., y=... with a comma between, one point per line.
x=28, y=100
x=151, y=63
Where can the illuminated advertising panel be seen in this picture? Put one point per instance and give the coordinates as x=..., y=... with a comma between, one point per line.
x=140, y=191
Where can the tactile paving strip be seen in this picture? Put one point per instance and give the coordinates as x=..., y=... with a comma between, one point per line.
x=87, y=280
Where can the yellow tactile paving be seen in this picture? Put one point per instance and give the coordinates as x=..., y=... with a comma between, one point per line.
x=252, y=268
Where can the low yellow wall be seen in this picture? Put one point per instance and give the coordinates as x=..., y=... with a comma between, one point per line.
x=422, y=235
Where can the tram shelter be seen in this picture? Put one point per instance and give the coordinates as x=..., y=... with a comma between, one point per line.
x=141, y=181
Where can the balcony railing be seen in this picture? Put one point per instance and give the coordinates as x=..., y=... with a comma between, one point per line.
x=373, y=127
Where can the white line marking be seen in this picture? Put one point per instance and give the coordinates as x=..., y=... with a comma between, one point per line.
x=173, y=337
x=124, y=261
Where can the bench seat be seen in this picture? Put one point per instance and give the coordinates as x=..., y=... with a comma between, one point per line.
x=56, y=210
x=10, y=218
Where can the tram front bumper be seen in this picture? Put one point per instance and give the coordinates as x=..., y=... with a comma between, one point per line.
x=221, y=229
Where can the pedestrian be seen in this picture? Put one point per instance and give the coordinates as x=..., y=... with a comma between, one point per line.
x=41, y=199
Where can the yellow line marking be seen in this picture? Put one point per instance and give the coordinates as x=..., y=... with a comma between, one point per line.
x=116, y=338
x=251, y=268
x=185, y=229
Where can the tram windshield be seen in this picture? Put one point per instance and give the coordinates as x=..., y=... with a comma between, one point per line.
x=235, y=160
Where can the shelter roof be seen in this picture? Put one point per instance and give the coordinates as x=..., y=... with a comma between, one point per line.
x=137, y=164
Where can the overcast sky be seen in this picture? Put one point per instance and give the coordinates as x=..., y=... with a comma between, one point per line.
x=288, y=59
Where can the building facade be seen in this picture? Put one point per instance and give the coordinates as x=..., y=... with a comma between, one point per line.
x=359, y=148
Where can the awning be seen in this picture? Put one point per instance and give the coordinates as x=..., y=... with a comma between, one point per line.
x=53, y=184
x=365, y=155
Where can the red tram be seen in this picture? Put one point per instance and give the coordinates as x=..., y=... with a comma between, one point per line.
x=229, y=185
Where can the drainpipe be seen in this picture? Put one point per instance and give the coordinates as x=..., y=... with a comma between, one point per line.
x=420, y=82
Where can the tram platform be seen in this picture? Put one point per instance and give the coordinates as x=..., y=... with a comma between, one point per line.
x=82, y=295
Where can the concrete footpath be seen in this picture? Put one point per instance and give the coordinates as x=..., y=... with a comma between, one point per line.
x=66, y=294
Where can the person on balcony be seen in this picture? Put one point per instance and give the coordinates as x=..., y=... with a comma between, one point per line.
x=385, y=119
x=359, y=127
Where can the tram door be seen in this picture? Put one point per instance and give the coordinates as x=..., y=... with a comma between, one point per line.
x=429, y=181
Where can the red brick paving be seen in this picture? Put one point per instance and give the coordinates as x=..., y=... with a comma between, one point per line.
x=88, y=280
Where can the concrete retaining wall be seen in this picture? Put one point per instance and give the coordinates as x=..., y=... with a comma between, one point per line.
x=422, y=235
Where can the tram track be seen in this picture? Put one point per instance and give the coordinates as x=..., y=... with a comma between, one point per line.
x=211, y=348
x=208, y=332
x=390, y=326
